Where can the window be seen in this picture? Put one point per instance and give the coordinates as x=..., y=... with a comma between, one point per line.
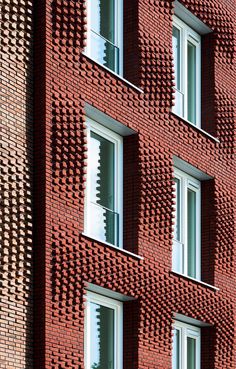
x=105, y=33
x=103, y=332
x=187, y=65
x=186, y=243
x=186, y=346
x=103, y=211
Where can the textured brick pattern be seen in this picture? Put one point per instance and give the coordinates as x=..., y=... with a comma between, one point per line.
x=16, y=146
x=65, y=80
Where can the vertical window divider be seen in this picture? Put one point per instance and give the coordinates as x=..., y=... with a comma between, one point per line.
x=184, y=224
x=185, y=72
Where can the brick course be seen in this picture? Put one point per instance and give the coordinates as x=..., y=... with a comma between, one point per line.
x=66, y=259
x=16, y=156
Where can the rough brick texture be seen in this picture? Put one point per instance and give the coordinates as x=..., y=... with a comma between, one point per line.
x=65, y=259
x=16, y=155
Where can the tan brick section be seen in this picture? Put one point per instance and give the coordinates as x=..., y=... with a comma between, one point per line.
x=15, y=184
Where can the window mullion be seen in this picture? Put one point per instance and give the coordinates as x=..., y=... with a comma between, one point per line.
x=184, y=224
x=88, y=47
x=87, y=195
x=185, y=71
x=198, y=234
x=184, y=351
x=198, y=84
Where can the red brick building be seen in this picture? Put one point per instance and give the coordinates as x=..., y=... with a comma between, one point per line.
x=134, y=184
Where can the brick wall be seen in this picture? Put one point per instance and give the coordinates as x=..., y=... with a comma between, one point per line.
x=66, y=259
x=16, y=146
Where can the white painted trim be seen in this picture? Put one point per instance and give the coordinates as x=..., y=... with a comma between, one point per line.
x=190, y=331
x=188, y=34
x=118, y=145
x=188, y=182
x=117, y=306
x=118, y=32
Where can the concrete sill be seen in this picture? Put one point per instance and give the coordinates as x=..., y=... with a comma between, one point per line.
x=196, y=127
x=113, y=73
x=113, y=247
x=195, y=280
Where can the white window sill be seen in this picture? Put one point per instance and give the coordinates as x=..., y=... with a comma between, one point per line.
x=114, y=73
x=195, y=280
x=113, y=246
x=196, y=127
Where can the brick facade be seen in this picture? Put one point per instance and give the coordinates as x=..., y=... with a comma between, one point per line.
x=66, y=82
x=16, y=165
x=65, y=260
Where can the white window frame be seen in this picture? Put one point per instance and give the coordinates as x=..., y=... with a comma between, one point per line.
x=188, y=182
x=117, y=140
x=118, y=32
x=187, y=330
x=117, y=306
x=188, y=34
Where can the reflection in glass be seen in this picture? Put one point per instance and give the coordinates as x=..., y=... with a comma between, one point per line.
x=176, y=350
x=176, y=54
x=104, y=220
x=191, y=82
x=104, y=224
x=104, y=52
x=178, y=257
x=101, y=337
x=191, y=198
x=103, y=36
x=102, y=170
x=191, y=353
x=103, y=18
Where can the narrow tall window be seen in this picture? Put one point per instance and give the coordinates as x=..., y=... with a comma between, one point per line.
x=186, y=346
x=187, y=63
x=186, y=244
x=103, y=213
x=105, y=33
x=103, y=332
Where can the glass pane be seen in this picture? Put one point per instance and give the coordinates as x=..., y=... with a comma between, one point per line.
x=102, y=171
x=177, y=210
x=101, y=337
x=176, y=54
x=104, y=52
x=191, y=353
x=178, y=257
x=179, y=103
x=191, y=233
x=191, y=83
x=103, y=18
x=104, y=224
x=176, y=350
